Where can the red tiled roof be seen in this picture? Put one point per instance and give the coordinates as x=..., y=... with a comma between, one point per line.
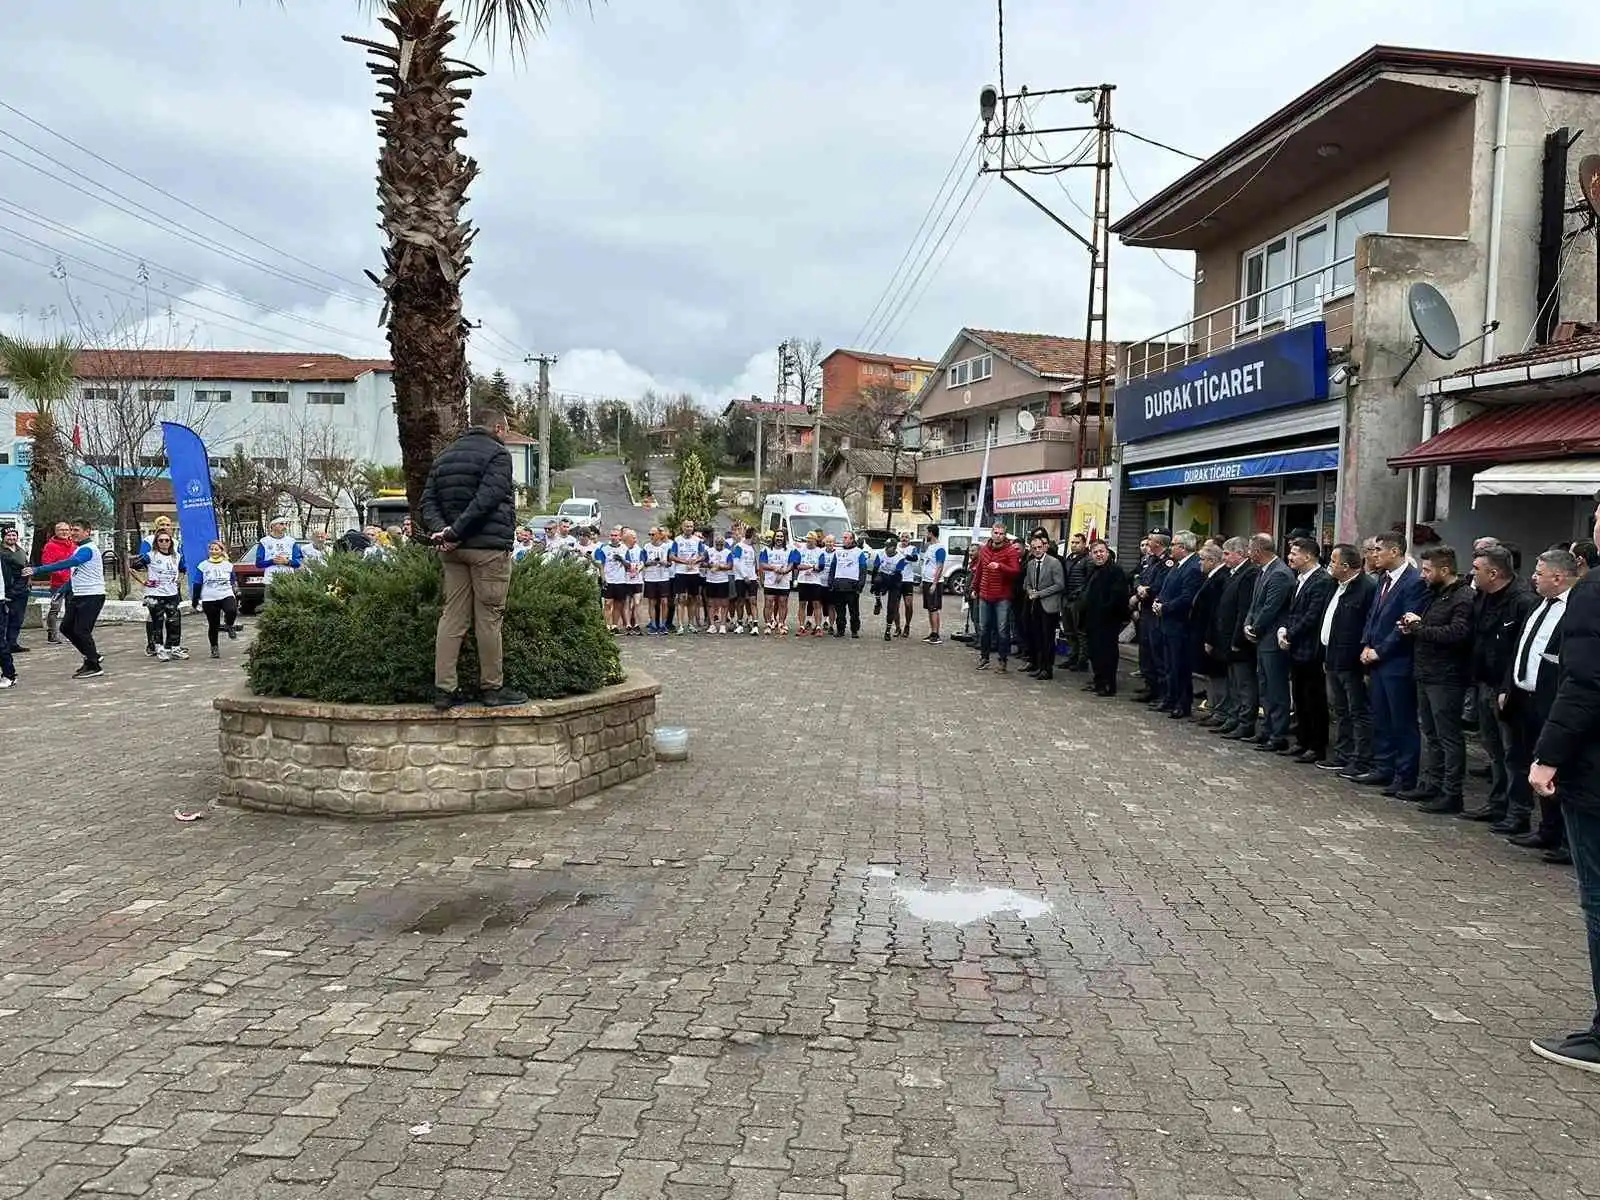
x=244, y=365
x=1580, y=340
x=512, y=438
x=892, y=359
x=1048, y=354
x=1516, y=433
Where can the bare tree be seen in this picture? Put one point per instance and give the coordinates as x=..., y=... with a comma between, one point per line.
x=869, y=419
x=805, y=357
x=649, y=409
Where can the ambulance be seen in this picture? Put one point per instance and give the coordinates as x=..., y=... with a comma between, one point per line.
x=800, y=513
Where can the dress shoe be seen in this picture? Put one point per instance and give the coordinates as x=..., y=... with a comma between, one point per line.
x=1559, y=857
x=1242, y=734
x=1418, y=794
x=1373, y=779
x=1478, y=772
x=1509, y=827
x=1206, y=721
x=1393, y=791
x=1532, y=840
x=1307, y=755
x=1442, y=805
x=1483, y=813
x=1224, y=728
x=1331, y=764
x=1044, y=676
x=1142, y=697
x=1176, y=714
x=1273, y=747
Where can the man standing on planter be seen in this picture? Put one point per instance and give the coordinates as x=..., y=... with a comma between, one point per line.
x=469, y=506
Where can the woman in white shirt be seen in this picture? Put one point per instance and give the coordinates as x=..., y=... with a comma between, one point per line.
x=162, y=576
x=211, y=587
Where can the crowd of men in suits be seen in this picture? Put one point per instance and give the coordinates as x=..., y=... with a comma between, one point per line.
x=1376, y=666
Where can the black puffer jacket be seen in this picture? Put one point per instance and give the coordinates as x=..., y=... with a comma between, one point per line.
x=1444, y=639
x=470, y=491
x=1496, y=626
x=1077, y=567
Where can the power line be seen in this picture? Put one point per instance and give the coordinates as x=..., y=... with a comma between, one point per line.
x=926, y=261
x=194, y=236
x=952, y=245
x=1139, y=137
x=1133, y=192
x=962, y=155
x=223, y=320
x=106, y=247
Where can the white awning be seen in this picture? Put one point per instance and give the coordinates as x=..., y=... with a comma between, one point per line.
x=1564, y=477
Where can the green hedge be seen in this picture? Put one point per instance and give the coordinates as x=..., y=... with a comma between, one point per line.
x=356, y=630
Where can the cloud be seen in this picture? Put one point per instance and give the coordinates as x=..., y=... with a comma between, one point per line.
x=668, y=188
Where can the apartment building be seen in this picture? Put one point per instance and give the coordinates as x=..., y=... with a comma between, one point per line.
x=1282, y=403
x=850, y=375
x=288, y=412
x=1020, y=399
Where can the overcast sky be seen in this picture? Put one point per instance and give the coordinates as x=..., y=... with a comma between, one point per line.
x=669, y=187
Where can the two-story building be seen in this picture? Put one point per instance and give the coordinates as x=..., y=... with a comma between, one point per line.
x=1013, y=399
x=1280, y=404
x=287, y=411
x=850, y=375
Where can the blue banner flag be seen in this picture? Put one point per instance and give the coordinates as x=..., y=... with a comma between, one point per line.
x=190, y=469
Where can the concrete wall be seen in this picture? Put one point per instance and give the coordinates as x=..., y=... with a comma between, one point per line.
x=1384, y=418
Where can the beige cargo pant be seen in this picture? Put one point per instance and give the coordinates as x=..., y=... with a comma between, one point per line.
x=475, y=586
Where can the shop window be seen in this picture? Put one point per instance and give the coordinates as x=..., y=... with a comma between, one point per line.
x=1292, y=276
x=893, y=496
x=924, y=500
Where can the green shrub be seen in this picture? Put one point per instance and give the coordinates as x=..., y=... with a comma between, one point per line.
x=356, y=630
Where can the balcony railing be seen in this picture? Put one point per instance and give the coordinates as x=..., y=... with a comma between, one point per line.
x=935, y=449
x=1248, y=319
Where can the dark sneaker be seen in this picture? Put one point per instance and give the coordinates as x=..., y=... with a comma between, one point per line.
x=503, y=698
x=215, y=653
x=233, y=633
x=1581, y=1050
x=88, y=672
x=444, y=701
x=935, y=639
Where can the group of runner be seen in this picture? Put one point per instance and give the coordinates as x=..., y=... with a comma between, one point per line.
x=741, y=582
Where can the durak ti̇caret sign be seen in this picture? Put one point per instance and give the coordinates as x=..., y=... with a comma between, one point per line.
x=1280, y=371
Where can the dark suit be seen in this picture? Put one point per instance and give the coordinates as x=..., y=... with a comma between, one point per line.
x=1303, y=624
x=1396, y=742
x=1105, y=612
x=1152, y=575
x=1527, y=714
x=1274, y=590
x=1347, y=678
x=1570, y=742
x=1228, y=637
x=1178, y=591
x=1202, y=625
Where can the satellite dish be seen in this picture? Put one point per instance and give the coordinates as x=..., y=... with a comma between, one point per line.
x=1589, y=182
x=966, y=396
x=1025, y=421
x=1433, y=320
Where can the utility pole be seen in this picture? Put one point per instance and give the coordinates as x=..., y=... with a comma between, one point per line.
x=1011, y=116
x=755, y=402
x=545, y=361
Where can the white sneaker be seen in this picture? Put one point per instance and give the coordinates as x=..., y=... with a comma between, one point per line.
x=180, y=652
x=163, y=654
x=7, y=683
x=754, y=632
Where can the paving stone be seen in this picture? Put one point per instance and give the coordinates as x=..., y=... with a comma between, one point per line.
x=1250, y=981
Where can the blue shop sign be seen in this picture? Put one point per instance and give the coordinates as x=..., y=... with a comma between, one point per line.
x=1228, y=470
x=1281, y=371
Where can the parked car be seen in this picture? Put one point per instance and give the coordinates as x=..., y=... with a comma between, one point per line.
x=581, y=510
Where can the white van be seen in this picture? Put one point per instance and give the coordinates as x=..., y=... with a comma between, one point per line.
x=580, y=511
x=800, y=513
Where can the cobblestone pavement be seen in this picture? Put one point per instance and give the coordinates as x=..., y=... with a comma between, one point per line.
x=742, y=977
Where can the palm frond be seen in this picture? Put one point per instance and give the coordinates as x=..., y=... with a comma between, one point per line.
x=42, y=371
x=518, y=22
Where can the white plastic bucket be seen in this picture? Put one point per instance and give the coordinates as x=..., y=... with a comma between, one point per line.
x=672, y=743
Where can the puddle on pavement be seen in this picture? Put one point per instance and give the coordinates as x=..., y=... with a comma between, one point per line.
x=959, y=906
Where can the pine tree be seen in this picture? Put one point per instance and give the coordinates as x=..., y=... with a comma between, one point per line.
x=691, y=496
x=500, y=390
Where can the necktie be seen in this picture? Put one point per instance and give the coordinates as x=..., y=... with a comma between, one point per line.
x=1383, y=592
x=1533, y=632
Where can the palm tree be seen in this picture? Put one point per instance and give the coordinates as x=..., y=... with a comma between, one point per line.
x=422, y=184
x=43, y=372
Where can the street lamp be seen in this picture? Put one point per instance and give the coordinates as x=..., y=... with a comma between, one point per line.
x=988, y=102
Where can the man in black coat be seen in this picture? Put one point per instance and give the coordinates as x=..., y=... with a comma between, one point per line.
x=1442, y=630
x=469, y=508
x=1567, y=767
x=1202, y=623
x=1342, y=628
x=1274, y=590
x=1105, y=612
x=1077, y=566
x=1300, y=636
x=1229, y=641
x=1500, y=605
x=1152, y=654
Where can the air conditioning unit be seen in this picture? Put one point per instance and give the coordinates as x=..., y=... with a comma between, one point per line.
x=971, y=500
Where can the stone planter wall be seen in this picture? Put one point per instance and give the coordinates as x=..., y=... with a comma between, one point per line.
x=386, y=761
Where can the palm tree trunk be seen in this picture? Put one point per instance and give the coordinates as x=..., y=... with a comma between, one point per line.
x=422, y=184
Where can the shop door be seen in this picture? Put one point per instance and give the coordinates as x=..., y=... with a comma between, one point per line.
x=1298, y=516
